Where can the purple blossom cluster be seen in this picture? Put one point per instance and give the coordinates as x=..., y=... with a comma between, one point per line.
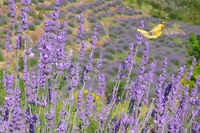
x=55, y=97
x=12, y=10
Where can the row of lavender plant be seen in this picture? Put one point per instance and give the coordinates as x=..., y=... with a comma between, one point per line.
x=172, y=110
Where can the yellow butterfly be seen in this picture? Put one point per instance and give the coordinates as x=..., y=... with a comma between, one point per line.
x=154, y=33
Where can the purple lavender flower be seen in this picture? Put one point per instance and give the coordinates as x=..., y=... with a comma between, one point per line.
x=189, y=74
x=148, y=78
x=50, y=117
x=23, y=15
x=54, y=15
x=12, y=7
x=139, y=35
x=94, y=36
x=79, y=103
x=195, y=127
x=80, y=29
x=7, y=43
x=158, y=109
x=99, y=63
x=57, y=3
x=129, y=61
x=75, y=77
x=88, y=104
x=101, y=85
x=67, y=64
x=119, y=74
x=89, y=66
x=25, y=2
x=81, y=53
x=194, y=91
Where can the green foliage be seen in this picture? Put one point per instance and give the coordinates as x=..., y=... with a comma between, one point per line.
x=96, y=54
x=21, y=63
x=71, y=25
x=139, y=2
x=176, y=15
x=5, y=2
x=111, y=84
x=105, y=62
x=68, y=42
x=36, y=22
x=69, y=31
x=33, y=61
x=140, y=54
x=106, y=44
x=194, y=52
x=110, y=50
x=182, y=10
x=4, y=20
x=156, y=5
x=194, y=47
x=8, y=14
x=41, y=1
x=3, y=92
x=1, y=57
x=175, y=61
x=126, y=47
x=2, y=45
x=113, y=36
x=34, y=1
x=108, y=56
x=31, y=27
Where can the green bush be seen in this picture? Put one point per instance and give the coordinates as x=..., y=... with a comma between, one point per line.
x=8, y=14
x=108, y=56
x=96, y=54
x=140, y=54
x=2, y=45
x=36, y=22
x=34, y=1
x=69, y=31
x=158, y=57
x=33, y=61
x=113, y=36
x=110, y=50
x=5, y=2
x=1, y=57
x=21, y=63
x=31, y=27
x=39, y=8
x=41, y=1
x=106, y=44
x=71, y=25
x=3, y=92
x=156, y=5
x=176, y=15
x=105, y=62
x=109, y=89
x=126, y=47
x=68, y=42
x=15, y=26
x=175, y=61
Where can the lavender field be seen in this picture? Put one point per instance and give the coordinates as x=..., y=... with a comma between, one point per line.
x=79, y=66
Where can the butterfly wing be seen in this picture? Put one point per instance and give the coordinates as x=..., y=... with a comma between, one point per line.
x=156, y=32
x=158, y=27
x=145, y=33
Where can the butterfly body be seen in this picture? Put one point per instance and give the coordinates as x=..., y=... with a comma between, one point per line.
x=154, y=33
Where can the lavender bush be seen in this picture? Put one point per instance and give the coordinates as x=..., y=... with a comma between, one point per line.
x=68, y=92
